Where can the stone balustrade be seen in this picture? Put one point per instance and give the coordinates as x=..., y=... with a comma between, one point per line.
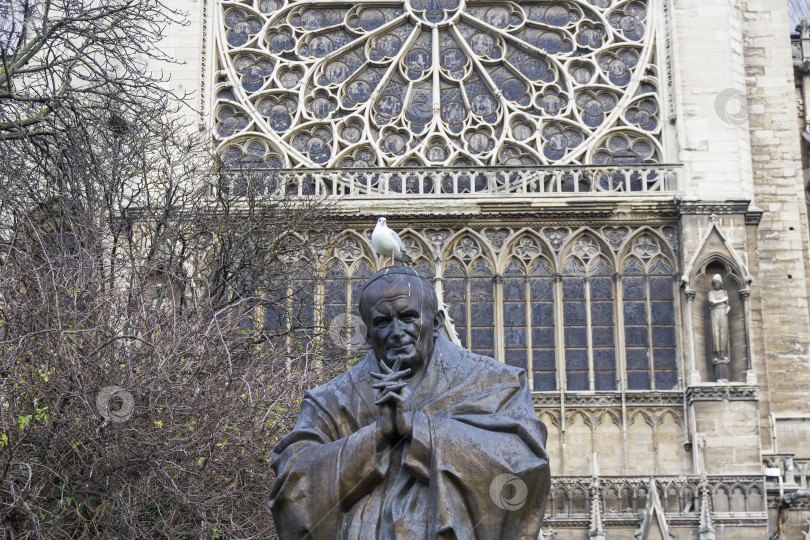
x=680, y=495
x=480, y=182
x=784, y=471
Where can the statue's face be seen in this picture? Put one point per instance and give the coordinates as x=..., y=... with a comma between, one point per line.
x=717, y=285
x=402, y=324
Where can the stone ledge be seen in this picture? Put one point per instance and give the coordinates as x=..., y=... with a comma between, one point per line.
x=609, y=399
x=720, y=392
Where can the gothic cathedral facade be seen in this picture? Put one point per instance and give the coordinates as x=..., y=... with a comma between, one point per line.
x=608, y=194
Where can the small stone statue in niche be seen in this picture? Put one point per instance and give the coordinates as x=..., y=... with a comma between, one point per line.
x=718, y=315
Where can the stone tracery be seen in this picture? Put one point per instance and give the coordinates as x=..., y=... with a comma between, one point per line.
x=440, y=82
x=607, y=292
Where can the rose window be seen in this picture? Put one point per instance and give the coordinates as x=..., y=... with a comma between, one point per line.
x=439, y=82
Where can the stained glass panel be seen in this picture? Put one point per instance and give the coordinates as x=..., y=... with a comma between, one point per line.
x=602, y=338
x=575, y=330
x=482, y=309
x=572, y=82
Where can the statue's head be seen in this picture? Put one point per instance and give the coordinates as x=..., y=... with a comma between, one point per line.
x=717, y=282
x=401, y=311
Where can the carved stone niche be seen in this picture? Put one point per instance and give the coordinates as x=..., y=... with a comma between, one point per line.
x=706, y=361
x=716, y=256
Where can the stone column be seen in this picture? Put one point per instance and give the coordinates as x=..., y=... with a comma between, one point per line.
x=750, y=374
x=693, y=377
x=559, y=336
x=497, y=286
x=589, y=333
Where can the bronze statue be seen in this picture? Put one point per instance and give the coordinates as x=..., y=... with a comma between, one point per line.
x=718, y=316
x=422, y=439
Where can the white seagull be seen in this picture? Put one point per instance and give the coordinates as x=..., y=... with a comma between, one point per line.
x=388, y=243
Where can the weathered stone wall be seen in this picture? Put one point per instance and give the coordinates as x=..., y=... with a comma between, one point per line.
x=781, y=248
x=190, y=46
x=709, y=80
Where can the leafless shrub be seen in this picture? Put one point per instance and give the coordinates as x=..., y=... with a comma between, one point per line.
x=140, y=392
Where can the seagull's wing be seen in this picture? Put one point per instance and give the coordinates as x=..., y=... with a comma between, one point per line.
x=397, y=241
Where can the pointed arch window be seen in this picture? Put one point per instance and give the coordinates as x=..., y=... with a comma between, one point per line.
x=290, y=312
x=528, y=314
x=345, y=273
x=649, y=318
x=420, y=254
x=588, y=319
x=340, y=297
x=470, y=295
x=290, y=307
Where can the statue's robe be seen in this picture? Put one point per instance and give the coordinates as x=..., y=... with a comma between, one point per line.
x=474, y=423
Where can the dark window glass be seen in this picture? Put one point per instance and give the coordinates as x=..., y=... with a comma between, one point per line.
x=574, y=313
x=635, y=336
x=602, y=313
x=516, y=357
x=335, y=308
x=542, y=313
x=633, y=288
x=662, y=312
x=576, y=380
x=544, y=359
x=664, y=335
x=514, y=289
x=483, y=338
x=544, y=381
x=576, y=336
x=482, y=309
x=543, y=336
x=462, y=334
x=601, y=288
x=661, y=288
x=604, y=359
x=635, y=312
x=275, y=318
x=425, y=268
x=514, y=313
x=665, y=358
x=481, y=312
x=455, y=295
x=359, y=276
x=666, y=379
x=638, y=358
x=638, y=380
x=573, y=289
x=639, y=321
x=605, y=380
x=602, y=336
x=576, y=359
x=335, y=291
x=515, y=337
x=541, y=289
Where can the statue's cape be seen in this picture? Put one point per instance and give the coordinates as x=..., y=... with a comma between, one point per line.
x=475, y=468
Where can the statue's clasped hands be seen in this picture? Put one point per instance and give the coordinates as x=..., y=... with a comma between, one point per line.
x=394, y=400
